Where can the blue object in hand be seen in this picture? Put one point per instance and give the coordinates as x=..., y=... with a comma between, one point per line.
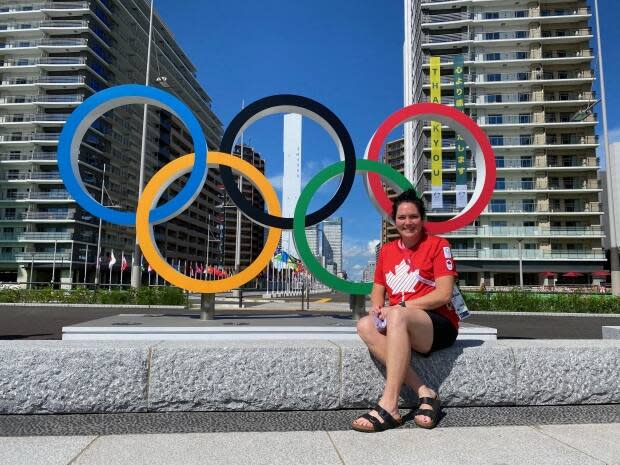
x=380, y=324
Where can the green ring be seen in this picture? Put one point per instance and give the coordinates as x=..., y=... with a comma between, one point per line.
x=299, y=221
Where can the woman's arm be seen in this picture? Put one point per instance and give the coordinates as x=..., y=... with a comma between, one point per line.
x=377, y=298
x=437, y=298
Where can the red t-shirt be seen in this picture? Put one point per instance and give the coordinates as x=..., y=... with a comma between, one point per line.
x=408, y=274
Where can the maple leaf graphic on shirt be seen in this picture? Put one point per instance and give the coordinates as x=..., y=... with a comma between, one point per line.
x=405, y=280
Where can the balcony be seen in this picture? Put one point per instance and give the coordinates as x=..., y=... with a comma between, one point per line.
x=30, y=156
x=526, y=231
x=44, y=236
x=566, y=33
x=48, y=63
x=26, y=101
x=36, y=137
x=27, y=8
x=444, y=38
x=59, y=82
x=532, y=76
x=25, y=196
x=45, y=257
x=527, y=254
x=582, y=208
x=446, y=17
x=508, y=119
x=447, y=57
x=33, y=118
x=49, y=26
x=33, y=176
x=571, y=139
x=46, y=216
x=52, y=44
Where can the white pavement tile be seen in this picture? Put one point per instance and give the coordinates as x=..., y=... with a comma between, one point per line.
x=41, y=450
x=507, y=445
x=599, y=440
x=294, y=448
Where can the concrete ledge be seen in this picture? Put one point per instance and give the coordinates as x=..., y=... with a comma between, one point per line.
x=611, y=332
x=71, y=376
x=18, y=306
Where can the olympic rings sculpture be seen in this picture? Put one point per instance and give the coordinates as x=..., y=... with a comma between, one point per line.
x=197, y=164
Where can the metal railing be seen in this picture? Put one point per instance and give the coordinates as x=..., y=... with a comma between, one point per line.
x=17, y=99
x=31, y=117
x=526, y=231
x=44, y=236
x=570, y=139
x=42, y=256
x=63, y=195
x=28, y=7
x=29, y=137
x=28, y=156
x=446, y=17
x=557, y=33
x=44, y=61
x=524, y=118
x=43, y=24
x=440, y=38
x=36, y=175
x=44, y=43
x=505, y=97
x=527, y=254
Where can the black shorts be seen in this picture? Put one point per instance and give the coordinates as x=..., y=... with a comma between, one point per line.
x=444, y=333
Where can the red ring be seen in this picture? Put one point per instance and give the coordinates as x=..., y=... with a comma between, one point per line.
x=407, y=113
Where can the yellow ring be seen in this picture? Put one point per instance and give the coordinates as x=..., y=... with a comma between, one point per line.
x=160, y=182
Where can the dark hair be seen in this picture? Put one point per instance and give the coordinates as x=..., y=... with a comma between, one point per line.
x=408, y=196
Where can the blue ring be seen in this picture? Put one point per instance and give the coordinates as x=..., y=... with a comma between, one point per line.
x=100, y=103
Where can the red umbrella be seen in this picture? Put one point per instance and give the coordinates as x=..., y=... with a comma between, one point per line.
x=548, y=274
x=572, y=274
x=601, y=273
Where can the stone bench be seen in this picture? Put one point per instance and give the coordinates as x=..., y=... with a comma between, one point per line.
x=78, y=376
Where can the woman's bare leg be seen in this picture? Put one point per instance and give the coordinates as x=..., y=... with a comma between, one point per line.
x=409, y=328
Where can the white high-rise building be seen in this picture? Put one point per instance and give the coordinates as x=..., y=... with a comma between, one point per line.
x=291, y=181
x=528, y=76
x=332, y=236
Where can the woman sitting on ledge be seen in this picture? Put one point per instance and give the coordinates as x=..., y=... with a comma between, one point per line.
x=418, y=272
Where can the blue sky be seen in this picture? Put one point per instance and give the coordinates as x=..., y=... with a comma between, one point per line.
x=347, y=54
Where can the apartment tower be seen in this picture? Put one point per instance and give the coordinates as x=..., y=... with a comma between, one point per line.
x=528, y=76
x=54, y=55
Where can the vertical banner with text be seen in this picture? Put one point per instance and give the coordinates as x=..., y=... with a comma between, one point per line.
x=460, y=152
x=436, y=154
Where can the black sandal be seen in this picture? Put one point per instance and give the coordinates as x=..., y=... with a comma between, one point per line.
x=389, y=421
x=431, y=413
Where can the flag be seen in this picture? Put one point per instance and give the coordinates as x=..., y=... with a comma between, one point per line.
x=191, y=270
x=124, y=264
x=112, y=261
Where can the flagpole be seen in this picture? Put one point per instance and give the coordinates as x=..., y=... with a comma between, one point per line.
x=85, y=264
x=135, y=281
x=122, y=260
x=97, y=261
x=54, y=264
x=71, y=267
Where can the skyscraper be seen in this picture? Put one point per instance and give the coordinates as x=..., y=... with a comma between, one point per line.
x=332, y=230
x=291, y=181
x=527, y=76
x=54, y=55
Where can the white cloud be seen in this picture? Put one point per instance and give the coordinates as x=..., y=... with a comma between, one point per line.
x=357, y=266
x=371, y=246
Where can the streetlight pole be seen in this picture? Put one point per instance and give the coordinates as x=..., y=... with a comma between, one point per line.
x=97, y=259
x=613, y=243
x=136, y=273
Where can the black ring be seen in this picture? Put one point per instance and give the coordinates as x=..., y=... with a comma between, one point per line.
x=288, y=104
